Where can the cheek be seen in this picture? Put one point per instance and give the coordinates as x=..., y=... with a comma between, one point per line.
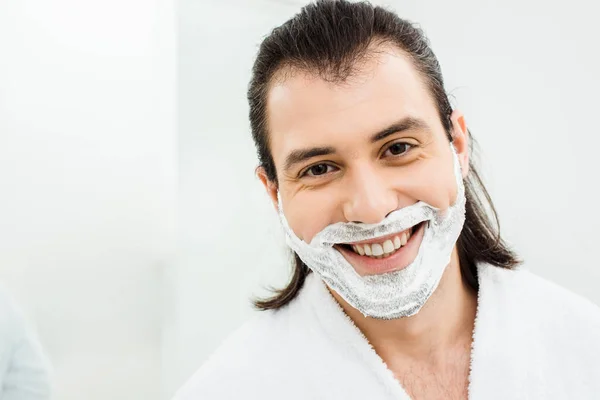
x=308, y=214
x=435, y=184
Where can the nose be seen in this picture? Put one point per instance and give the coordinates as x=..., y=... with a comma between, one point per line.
x=370, y=198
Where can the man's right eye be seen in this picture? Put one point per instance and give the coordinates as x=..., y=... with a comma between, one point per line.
x=318, y=169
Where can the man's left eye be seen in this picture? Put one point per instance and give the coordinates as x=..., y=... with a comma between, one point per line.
x=399, y=148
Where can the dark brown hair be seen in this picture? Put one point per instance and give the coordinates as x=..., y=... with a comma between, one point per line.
x=329, y=38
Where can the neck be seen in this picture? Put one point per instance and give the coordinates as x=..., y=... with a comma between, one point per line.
x=445, y=321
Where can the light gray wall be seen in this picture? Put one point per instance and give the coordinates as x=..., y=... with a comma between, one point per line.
x=87, y=173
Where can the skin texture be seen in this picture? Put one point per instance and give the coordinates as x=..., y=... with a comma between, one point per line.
x=362, y=180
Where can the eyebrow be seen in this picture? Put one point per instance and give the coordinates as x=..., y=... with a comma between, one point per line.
x=405, y=124
x=298, y=156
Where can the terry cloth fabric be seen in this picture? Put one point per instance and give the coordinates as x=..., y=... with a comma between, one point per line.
x=532, y=340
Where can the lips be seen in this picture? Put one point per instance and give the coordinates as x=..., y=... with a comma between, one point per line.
x=390, y=253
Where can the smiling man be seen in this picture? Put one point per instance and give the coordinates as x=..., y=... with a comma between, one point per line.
x=402, y=287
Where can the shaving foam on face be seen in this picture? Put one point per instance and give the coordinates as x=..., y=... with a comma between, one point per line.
x=395, y=294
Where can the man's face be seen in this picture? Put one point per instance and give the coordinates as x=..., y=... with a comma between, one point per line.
x=358, y=150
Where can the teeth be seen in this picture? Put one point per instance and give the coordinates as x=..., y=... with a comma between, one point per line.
x=377, y=249
x=388, y=246
x=381, y=250
x=360, y=250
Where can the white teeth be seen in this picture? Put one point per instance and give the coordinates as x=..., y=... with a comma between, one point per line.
x=388, y=246
x=377, y=249
x=381, y=250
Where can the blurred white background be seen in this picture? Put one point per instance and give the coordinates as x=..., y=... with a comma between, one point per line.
x=126, y=303
x=524, y=72
x=87, y=171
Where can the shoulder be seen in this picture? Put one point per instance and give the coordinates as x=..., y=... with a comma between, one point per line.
x=543, y=305
x=539, y=331
x=257, y=353
x=537, y=293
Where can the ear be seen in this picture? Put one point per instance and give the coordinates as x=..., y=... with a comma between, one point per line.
x=460, y=139
x=270, y=186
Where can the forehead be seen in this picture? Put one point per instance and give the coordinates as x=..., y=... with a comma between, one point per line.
x=305, y=110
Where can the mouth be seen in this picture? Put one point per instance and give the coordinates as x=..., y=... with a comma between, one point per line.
x=386, y=254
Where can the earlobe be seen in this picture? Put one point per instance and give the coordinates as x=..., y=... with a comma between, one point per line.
x=270, y=187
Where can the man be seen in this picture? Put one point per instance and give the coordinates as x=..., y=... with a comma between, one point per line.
x=402, y=287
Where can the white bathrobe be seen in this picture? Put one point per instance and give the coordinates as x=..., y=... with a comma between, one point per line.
x=532, y=340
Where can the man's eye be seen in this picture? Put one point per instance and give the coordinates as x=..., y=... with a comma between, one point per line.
x=398, y=148
x=319, y=169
